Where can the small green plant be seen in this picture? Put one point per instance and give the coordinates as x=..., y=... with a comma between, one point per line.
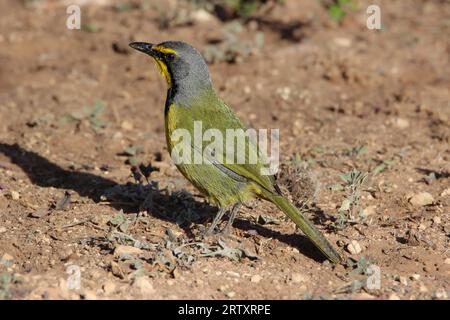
x=90, y=27
x=235, y=9
x=6, y=280
x=168, y=18
x=382, y=166
x=122, y=7
x=356, y=152
x=352, y=185
x=89, y=114
x=360, y=272
x=338, y=9
x=232, y=48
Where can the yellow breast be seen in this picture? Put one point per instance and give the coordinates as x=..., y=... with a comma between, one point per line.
x=171, y=124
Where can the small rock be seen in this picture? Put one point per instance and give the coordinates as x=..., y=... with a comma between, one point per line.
x=354, y=247
x=421, y=199
x=40, y=213
x=440, y=294
x=422, y=227
x=170, y=282
x=126, y=125
x=401, y=123
x=415, y=277
x=122, y=251
x=143, y=285
x=202, y=16
x=65, y=253
x=223, y=288
x=256, y=278
x=284, y=93
x=340, y=243
x=369, y=211
x=343, y=42
x=447, y=261
x=2, y=229
x=117, y=270
x=234, y=274
x=231, y=294
x=445, y=193
x=298, y=278
x=117, y=135
x=15, y=195
x=402, y=280
x=437, y=220
x=423, y=288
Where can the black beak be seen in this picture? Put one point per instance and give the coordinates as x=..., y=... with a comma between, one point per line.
x=143, y=47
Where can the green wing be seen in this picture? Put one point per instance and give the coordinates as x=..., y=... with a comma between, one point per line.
x=221, y=117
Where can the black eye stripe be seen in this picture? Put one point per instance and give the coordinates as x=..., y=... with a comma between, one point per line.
x=170, y=56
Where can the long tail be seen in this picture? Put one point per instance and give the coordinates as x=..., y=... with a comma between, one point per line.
x=304, y=224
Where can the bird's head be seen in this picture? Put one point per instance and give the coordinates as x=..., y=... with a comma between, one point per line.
x=180, y=63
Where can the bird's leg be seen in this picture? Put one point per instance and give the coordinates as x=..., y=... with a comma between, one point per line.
x=215, y=222
x=233, y=215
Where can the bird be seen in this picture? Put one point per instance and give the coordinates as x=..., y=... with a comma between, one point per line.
x=191, y=98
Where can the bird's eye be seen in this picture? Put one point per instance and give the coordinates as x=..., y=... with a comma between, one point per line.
x=170, y=56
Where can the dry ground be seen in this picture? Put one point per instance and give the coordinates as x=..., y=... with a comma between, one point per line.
x=344, y=97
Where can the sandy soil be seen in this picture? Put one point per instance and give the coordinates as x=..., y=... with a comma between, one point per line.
x=345, y=98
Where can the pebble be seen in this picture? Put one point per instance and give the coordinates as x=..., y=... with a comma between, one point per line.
x=39, y=213
x=256, y=278
x=402, y=280
x=126, y=125
x=284, y=93
x=65, y=253
x=415, y=277
x=445, y=193
x=440, y=294
x=122, y=250
x=223, y=288
x=343, y=42
x=15, y=195
x=447, y=261
x=202, y=16
x=231, y=294
x=298, y=278
x=437, y=220
x=234, y=274
x=354, y=247
x=370, y=210
x=170, y=282
x=401, y=123
x=423, y=288
x=2, y=229
x=421, y=199
x=143, y=285
x=422, y=227
x=117, y=270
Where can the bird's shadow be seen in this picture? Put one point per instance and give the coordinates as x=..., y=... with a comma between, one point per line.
x=45, y=173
